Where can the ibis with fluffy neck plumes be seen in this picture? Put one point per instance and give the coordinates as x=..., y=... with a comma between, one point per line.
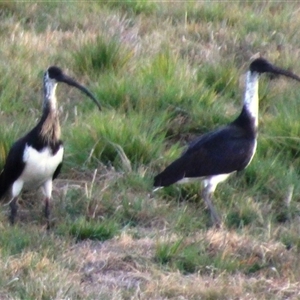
x=35, y=160
x=215, y=155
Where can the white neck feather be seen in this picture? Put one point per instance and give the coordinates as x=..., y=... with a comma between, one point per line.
x=251, y=95
x=50, y=96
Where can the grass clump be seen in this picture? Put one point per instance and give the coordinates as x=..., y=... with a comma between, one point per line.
x=34, y=276
x=101, y=55
x=116, y=139
x=221, y=79
x=130, y=6
x=214, y=253
x=83, y=229
x=136, y=212
x=15, y=241
x=193, y=257
x=290, y=238
x=244, y=213
x=166, y=252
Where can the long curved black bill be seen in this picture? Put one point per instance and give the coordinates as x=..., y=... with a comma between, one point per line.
x=279, y=71
x=70, y=81
x=261, y=65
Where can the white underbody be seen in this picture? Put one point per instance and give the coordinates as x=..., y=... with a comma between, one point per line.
x=38, y=171
x=210, y=182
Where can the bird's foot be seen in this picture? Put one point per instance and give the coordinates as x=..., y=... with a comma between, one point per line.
x=13, y=211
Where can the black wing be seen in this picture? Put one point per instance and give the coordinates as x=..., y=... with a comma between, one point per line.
x=57, y=171
x=223, y=151
x=13, y=167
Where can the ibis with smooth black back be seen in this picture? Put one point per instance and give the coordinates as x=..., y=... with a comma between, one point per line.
x=215, y=155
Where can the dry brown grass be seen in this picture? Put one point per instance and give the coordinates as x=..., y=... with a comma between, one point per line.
x=125, y=264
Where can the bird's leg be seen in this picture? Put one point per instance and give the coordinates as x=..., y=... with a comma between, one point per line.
x=13, y=210
x=47, y=211
x=47, y=190
x=207, y=199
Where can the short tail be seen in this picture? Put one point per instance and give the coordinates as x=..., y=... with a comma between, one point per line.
x=167, y=177
x=3, y=186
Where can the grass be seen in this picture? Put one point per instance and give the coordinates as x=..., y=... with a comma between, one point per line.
x=164, y=72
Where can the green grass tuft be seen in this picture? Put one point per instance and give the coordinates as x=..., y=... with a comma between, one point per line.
x=166, y=252
x=130, y=6
x=101, y=55
x=102, y=230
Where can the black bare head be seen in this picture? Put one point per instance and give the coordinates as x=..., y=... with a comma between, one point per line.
x=57, y=74
x=261, y=65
